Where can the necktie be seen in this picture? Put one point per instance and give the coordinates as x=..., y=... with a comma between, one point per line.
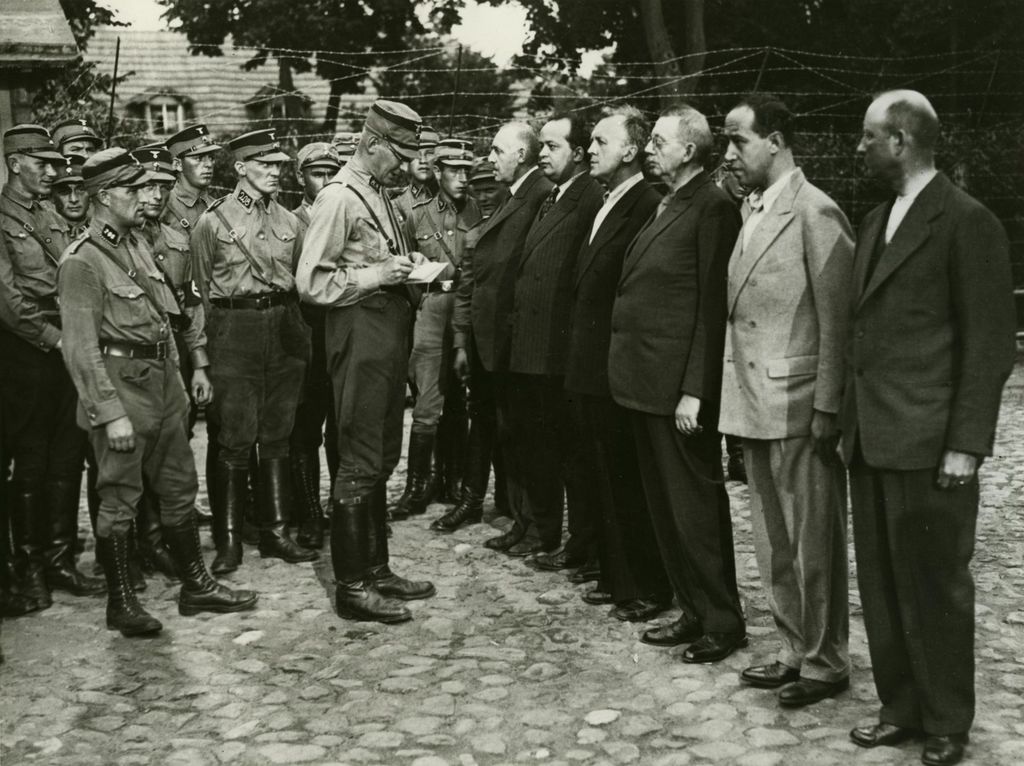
x=663, y=204
x=756, y=201
x=548, y=203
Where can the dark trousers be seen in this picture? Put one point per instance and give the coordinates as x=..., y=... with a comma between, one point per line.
x=914, y=544
x=257, y=363
x=39, y=404
x=631, y=566
x=315, y=411
x=689, y=507
x=367, y=356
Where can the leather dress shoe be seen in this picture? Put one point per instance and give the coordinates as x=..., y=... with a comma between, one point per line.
x=597, y=597
x=881, y=734
x=714, y=647
x=944, y=749
x=562, y=558
x=506, y=540
x=682, y=631
x=638, y=610
x=770, y=676
x=807, y=691
x=527, y=547
x=589, y=572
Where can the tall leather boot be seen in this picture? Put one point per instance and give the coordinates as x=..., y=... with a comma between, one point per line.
x=61, y=499
x=419, y=480
x=274, y=496
x=355, y=596
x=153, y=553
x=199, y=591
x=124, y=612
x=92, y=504
x=228, y=510
x=453, y=436
x=306, y=483
x=29, y=532
x=250, y=521
x=380, y=574
x=13, y=603
x=135, y=575
x=476, y=471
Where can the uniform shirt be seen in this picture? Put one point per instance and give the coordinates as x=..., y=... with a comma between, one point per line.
x=28, y=276
x=302, y=213
x=344, y=248
x=438, y=230
x=170, y=251
x=270, y=233
x=184, y=207
x=409, y=197
x=99, y=301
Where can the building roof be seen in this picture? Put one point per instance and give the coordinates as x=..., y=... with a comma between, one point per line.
x=35, y=34
x=218, y=86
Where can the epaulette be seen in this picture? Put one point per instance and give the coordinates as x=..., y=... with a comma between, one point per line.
x=421, y=203
x=77, y=243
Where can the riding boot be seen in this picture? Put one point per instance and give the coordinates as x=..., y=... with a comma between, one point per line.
x=29, y=532
x=274, y=490
x=419, y=482
x=476, y=471
x=355, y=596
x=61, y=500
x=230, y=490
x=306, y=483
x=250, y=520
x=199, y=591
x=153, y=553
x=453, y=435
x=92, y=505
x=124, y=612
x=386, y=581
x=13, y=603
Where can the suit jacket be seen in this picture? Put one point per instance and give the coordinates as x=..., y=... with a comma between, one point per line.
x=668, y=321
x=788, y=313
x=931, y=342
x=484, y=297
x=543, y=288
x=598, y=267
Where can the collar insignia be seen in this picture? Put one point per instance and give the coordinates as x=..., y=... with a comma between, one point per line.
x=110, y=234
x=245, y=199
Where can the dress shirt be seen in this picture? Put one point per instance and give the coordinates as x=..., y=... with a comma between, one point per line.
x=610, y=198
x=768, y=197
x=519, y=182
x=902, y=203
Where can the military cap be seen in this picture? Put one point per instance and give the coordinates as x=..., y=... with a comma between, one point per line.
x=191, y=141
x=483, y=170
x=456, y=152
x=429, y=138
x=345, y=143
x=71, y=173
x=157, y=160
x=75, y=130
x=33, y=140
x=318, y=154
x=113, y=167
x=257, y=145
x=397, y=124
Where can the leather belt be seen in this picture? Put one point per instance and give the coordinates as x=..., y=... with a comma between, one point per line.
x=134, y=350
x=46, y=303
x=441, y=286
x=254, y=302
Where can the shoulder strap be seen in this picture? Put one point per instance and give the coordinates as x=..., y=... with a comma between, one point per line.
x=34, y=234
x=257, y=270
x=131, y=273
x=439, y=236
x=392, y=247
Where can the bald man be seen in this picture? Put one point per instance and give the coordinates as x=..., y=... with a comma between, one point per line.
x=931, y=345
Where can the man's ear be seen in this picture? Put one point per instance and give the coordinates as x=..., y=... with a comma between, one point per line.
x=579, y=154
x=240, y=168
x=176, y=164
x=631, y=153
x=14, y=163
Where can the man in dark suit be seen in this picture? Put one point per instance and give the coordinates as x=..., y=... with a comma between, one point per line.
x=543, y=447
x=632, y=574
x=665, y=366
x=483, y=302
x=930, y=347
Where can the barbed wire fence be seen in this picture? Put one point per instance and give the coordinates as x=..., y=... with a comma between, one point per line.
x=979, y=96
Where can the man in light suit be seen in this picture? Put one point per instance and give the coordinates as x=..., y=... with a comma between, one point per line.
x=483, y=301
x=789, y=277
x=665, y=366
x=632, y=574
x=930, y=347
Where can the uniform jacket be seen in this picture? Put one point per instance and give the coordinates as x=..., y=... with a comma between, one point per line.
x=596, y=277
x=788, y=313
x=543, y=287
x=484, y=298
x=170, y=251
x=438, y=230
x=668, y=321
x=184, y=207
x=931, y=341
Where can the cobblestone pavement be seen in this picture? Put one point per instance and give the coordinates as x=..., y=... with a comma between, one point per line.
x=505, y=665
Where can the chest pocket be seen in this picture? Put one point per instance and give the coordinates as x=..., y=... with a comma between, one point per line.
x=26, y=255
x=228, y=250
x=129, y=306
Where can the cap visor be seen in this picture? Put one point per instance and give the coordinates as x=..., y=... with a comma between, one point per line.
x=456, y=163
x=48, y=155
x=144, y=180
x=157, y=175
x=67, y=180
x=321, y=164
x=272, y=157
x=203, y=150
x=406, y=154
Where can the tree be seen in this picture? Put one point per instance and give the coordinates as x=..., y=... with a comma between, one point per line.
x=342, y=40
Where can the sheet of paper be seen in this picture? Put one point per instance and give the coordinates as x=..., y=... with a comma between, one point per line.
x=425, y=272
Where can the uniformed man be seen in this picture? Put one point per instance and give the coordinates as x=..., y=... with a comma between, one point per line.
x=420, y=170
x=37, y=395
x=117, y=312
x=193, y=150
x=69, y=197
x=316, y=164
x=76, y=136
x=244, y=250
x=437, y=227
x=485, y=189
x=356, y=261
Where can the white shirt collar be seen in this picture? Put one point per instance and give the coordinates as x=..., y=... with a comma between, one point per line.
x=616, y=194
x=916, y=184
x=562, y=187
x=772, y=192
x=516, y=184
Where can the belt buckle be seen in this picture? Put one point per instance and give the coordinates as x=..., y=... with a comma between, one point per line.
x=446, y=285
x=161, y=350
